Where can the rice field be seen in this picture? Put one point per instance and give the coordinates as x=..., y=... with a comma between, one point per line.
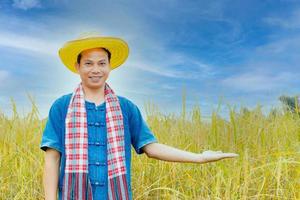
x=268, y=166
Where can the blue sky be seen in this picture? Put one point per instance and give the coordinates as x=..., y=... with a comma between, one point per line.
x=237, y=52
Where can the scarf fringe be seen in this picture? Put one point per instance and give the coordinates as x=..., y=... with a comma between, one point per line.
x=77, y=186
x=118, y=189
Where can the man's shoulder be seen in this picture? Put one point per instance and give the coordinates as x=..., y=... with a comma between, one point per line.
x=128, y=105
x=125, y=101
x=62, y=101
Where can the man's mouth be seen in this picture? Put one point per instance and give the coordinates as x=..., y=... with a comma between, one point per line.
x=95, y=78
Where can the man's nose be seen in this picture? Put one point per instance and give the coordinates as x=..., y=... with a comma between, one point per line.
x=96, y=68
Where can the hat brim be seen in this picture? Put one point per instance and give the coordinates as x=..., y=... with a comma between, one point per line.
x=118, y=48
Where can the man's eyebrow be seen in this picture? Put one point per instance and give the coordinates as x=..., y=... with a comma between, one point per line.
x=85, y=60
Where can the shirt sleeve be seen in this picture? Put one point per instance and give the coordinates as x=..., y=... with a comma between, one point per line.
x=140, y=132
x=52, y=135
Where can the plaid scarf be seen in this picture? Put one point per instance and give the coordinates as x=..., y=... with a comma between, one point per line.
x=76, y=184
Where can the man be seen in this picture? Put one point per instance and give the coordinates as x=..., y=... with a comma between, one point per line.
x=89, y=132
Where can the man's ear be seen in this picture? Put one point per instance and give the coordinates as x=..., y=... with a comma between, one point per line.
x=109, y=66
x=77, y=66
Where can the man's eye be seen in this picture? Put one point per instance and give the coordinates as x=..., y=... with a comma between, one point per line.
x=102, y=64
x=88, y=63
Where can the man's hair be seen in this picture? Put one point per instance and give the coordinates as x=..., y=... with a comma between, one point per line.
x=106, y=50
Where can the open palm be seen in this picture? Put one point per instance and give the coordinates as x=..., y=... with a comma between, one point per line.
x=211, y=156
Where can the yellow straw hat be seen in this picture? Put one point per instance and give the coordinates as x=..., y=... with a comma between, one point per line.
x=117, y=47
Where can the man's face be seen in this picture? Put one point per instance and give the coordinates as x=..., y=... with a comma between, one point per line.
x=94, y=68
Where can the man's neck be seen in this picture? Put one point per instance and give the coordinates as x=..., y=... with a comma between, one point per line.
x=94, y=95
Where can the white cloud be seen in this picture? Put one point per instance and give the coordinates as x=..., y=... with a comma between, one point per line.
x=28, y=43
x=285, y=46
x=3, y=76
x=158, y=70
x=26, y=4
x=175, y=66
x=163, y=70
x=289, y=22
x=258, y=81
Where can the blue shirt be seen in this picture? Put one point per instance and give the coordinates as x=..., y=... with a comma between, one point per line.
x=136, y=133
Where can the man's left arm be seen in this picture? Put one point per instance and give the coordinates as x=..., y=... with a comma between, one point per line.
x=171, y=154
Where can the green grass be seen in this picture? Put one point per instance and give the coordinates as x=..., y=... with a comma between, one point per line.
x=268, y=166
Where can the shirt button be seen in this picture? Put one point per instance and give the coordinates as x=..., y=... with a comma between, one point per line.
x=99, y=163
x=97, y=183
